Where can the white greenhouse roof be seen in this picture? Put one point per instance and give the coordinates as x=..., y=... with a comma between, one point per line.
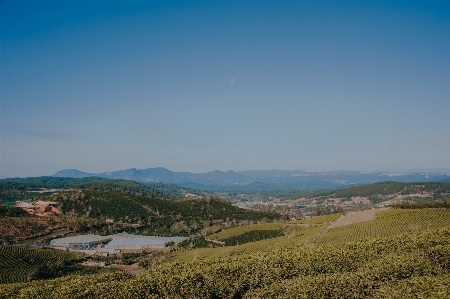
x=120, y=240
x=134, y=243
x=125, y=235
x=80, y=240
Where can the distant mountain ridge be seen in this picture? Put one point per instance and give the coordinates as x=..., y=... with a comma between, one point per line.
x=283, y=179
x=163, y=175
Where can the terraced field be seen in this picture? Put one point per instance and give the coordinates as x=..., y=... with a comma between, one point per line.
x=323, y=230
x=19, y=264
x=411, y=265
x=310, y=261
x=236, y=231
x=296, y=235
x=387, y=223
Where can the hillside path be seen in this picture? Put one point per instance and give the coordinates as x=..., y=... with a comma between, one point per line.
x=354, y=217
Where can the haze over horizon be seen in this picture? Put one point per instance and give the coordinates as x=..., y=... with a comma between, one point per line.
x=72, y=172
x=198, y=86
x=416, y=170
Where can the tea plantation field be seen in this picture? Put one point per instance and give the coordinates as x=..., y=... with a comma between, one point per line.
x=410, y=265
x=21, y=264
x=401, y=254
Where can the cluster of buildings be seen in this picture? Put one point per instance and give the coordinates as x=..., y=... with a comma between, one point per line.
x=40, y=208
x=95, y=244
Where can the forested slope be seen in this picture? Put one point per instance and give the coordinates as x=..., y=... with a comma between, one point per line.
x=151, y=215
x=18, y=188
x=368, y=190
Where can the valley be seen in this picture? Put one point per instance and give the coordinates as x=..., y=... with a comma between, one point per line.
x=224, y=149
x=374, y=239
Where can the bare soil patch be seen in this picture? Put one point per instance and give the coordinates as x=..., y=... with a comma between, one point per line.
x=354, y=217
x=90, y=264
x=134, y=268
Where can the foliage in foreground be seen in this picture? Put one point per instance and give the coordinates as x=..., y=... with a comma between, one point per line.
x=412, y=265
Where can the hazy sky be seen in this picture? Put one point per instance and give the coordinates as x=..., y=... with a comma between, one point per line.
x=205, y=85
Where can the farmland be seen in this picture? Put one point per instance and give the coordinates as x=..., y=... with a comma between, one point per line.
x=377, y=253
x=388, y=223
x=316, y=231
x=367, y=268
x=21, y=264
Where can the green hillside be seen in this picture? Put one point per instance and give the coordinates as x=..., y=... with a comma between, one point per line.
x=150, y=215
x=388, y=223
x=369, y=190
x=147, y=209
x=386, y=188
x=314, y=231
x=411, y=265
x=250, y=233
x=386, y=253
x=295, y=236
x=21, y=264
x=16, y=189
x=237, y=231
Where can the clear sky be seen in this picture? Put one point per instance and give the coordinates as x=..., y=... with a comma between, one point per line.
x=224, y=85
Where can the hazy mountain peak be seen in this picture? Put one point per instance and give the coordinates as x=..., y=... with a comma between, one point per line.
x=281, y=179
x=73, y=173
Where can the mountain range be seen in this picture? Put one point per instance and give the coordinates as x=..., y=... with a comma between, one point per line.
x=261, y=179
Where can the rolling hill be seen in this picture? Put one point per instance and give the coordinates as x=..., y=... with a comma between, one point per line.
x=87, y=203
x=395, y=259
x=19, y=188
x=151, y=215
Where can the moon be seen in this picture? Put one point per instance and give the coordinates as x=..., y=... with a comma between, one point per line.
x=231, y=80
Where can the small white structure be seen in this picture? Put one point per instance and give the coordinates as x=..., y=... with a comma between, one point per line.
x=44, y=203
x=23, y=204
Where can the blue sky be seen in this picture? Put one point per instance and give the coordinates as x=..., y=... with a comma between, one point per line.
x=205, y=85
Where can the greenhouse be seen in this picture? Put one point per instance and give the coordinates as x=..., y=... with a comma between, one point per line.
x=117, y=241
x=80, y=241
x=166, y=240
x=135, y=243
